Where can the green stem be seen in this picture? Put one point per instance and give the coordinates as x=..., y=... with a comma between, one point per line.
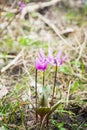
x=54, y=84
x=36, y=94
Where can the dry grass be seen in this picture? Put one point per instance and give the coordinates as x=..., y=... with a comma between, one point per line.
x=20, y=42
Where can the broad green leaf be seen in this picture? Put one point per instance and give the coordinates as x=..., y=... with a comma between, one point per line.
x=43, y=100
x=54, y=107
x=42, y=111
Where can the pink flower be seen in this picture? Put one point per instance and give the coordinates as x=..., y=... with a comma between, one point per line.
x=41, y=61
x=58, y=60
x=21, y=5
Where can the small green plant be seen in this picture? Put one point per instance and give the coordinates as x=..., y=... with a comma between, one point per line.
x=58, y=125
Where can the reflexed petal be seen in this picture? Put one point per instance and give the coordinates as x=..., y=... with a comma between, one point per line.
x=58, y=60
x=50, y=56
x=58, y=56
x=63, y=59
x=42, y=53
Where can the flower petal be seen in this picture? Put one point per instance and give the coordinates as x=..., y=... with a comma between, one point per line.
x=63, y=59
x=50, y=58
x=58, y=56
x=41, y=61
x=42, y=53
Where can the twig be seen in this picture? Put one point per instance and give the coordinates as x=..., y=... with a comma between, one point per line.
x=67, y=100
x=34, y=126
x=7, y=56
x=42, y=125
x=14, y=3
x=82, y=47
x=80, y=126
x=52, y=26
x=57, y=32
x=7, y=25
x=79, y=76
x=67, y=31
x=13, y=61
x=32, y=7
x=80, y=93
x=10, y=32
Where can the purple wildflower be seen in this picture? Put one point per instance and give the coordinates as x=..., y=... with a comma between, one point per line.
x=58, y=60
x=21, y=5
x=41, y=61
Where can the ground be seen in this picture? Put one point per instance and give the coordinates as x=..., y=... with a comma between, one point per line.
x=57, y=26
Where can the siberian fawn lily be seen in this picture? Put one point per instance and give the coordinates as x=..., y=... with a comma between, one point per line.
x=42, y=107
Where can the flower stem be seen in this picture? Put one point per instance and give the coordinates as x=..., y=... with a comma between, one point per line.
x=36, y=94
x=47, y=121
x=43, y=77
x=54, y=84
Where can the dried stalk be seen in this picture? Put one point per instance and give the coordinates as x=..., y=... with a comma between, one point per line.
x=13, y=61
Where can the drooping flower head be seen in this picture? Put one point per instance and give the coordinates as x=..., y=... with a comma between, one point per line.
x=21, y=5
x=57, y=60
x=41, y=61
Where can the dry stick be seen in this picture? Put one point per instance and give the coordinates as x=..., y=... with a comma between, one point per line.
x=7, y=56
x=79, y=76
x=7, y=25
x=51, y=25
x=13, y=61
x=34, y=126
x=36, y=94
x=82, y=47
x=42, y=124
x=80, y=93
x=67, y=100
x=13, y=4
x=54, y=28
x=32, y=7
x=26, y=70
